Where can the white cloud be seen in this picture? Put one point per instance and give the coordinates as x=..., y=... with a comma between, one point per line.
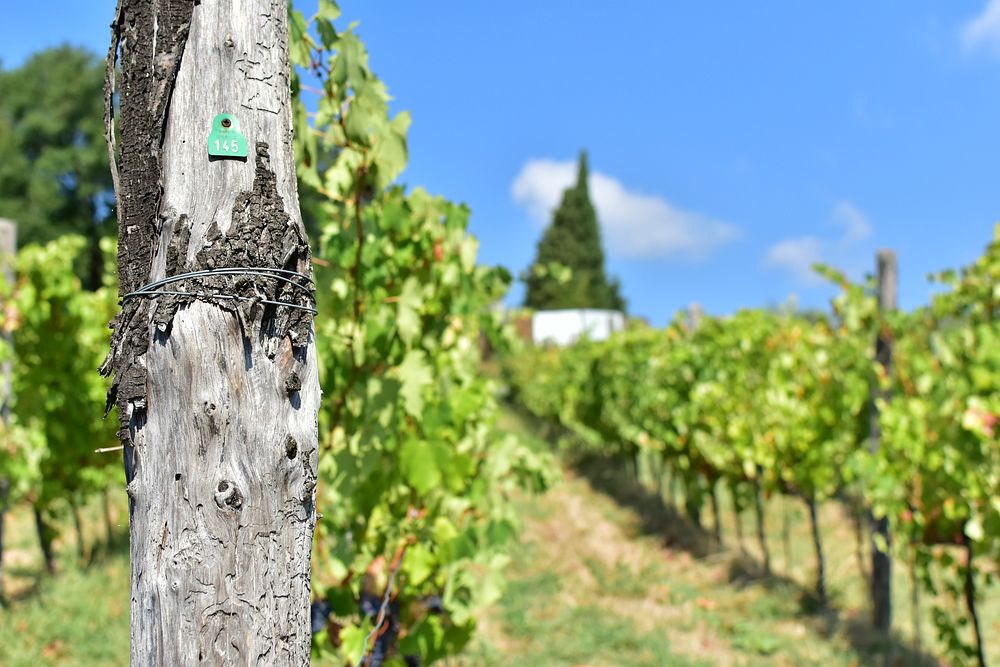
x=634, y=225
x=798, y=255
x=983, y=30
x=855, y=224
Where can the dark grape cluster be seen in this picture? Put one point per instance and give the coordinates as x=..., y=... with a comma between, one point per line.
x=369, y=604
x=319, y=612
x=386, y=635
x=434, y=604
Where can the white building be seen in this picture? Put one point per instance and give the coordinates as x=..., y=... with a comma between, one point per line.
x=562, y=327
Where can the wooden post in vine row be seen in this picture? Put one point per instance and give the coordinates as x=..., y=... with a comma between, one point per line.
x=881, y=579
x=8, y=250
x=694, y=315
x=215, y=375
x=692, y=492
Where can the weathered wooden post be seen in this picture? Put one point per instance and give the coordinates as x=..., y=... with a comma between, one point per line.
x=215, y=376
x=694, y=315
x=693, y=498
x=881, y=581
x=8, y=249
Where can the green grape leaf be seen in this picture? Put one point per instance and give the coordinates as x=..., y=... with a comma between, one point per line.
x=419, y=564
x=328, y=10
x=408, y=311
x=415, y=375
x=299, y=42
x=420, y=465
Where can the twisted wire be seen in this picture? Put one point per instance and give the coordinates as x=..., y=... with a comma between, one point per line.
x=152, y=290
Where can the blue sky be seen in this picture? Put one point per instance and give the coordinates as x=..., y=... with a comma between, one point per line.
x=732, y=143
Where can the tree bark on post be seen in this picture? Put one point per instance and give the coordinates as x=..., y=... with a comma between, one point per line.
x=881, y=581
x=215, y=377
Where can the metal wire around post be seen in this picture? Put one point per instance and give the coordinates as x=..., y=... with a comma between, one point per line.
x=153, y=290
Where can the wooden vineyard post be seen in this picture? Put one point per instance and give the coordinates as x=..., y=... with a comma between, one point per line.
x=881, y=573
x=692, y=492
x=215, y=374
x=8, y=250
x=694, y=316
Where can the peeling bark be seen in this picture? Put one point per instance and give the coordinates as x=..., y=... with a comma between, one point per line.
x=210, y=390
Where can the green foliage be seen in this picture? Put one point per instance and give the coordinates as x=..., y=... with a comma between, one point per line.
x=89, y=600
x=412, y=473
x=54, y=176
x=941, y=451
x=782, y=401
x=60, y=335
x=413, y=478
x=573, y=240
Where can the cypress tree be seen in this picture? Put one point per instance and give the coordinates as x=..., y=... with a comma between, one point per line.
x=573, y=239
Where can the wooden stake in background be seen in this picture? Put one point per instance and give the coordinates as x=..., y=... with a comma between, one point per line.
x=881, y=581
x=8, y=249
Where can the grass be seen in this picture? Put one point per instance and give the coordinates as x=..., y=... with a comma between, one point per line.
x=610, y=573
x=79, y=617
x=606, y=574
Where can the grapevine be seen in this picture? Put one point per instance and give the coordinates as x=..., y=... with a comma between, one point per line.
x=410, y=455
x=780, y=402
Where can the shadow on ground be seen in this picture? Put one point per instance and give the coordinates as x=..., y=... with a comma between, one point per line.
x=873, y=648
x=665, y=522
x=657, y=517
x=33, y=577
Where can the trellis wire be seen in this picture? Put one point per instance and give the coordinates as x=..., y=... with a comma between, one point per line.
x=284, y=275
x=380, y=617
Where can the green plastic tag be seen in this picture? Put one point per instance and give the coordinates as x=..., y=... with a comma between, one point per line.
x=226, y=140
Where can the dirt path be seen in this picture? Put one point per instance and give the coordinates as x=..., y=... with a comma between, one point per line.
x=599, y=581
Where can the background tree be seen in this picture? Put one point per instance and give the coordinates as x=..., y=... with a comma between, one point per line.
x=574, y=241
x=59, y=333
x=54, y=175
